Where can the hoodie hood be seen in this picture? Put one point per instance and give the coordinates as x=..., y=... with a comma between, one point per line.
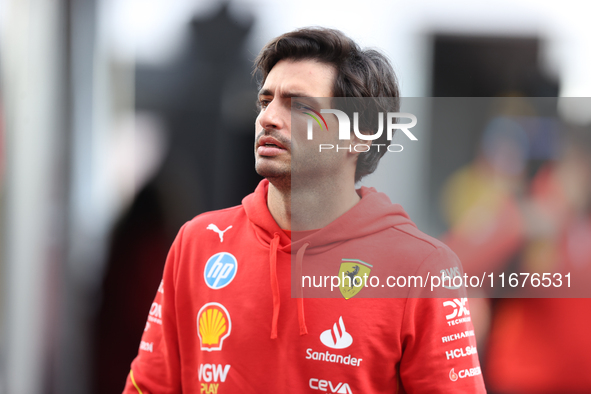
x=372, y=214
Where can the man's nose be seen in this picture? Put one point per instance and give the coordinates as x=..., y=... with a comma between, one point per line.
x=274, y=116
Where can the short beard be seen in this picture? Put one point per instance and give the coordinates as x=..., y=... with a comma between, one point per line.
x=279, y=177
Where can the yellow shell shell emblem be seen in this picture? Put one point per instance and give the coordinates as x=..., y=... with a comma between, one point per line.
x=352, y=274
x=213, y=326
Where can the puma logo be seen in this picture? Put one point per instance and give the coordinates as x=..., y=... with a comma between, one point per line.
x=215, y=228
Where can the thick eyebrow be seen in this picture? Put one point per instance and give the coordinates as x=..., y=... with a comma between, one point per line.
x=290, y=94
x=265, y=92
x=295, y=94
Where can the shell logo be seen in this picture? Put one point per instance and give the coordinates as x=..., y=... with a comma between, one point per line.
x=213, y=326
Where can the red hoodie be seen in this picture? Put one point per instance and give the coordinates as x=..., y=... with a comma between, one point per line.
x=224, y=321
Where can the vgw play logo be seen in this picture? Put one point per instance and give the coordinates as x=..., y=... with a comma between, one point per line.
x=345, y=128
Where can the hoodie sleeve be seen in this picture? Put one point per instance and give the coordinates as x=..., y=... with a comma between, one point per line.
x=439, y=352
x=156, y=369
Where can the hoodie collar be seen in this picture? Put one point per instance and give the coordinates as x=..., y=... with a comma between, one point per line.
x=373, y=213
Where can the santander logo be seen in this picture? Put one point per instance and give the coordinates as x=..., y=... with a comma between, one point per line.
x=338, y=337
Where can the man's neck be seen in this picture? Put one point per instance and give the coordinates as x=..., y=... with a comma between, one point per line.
x=310, y=206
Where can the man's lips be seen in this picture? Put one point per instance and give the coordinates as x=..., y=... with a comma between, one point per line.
x=266, y=140
x=269, y=146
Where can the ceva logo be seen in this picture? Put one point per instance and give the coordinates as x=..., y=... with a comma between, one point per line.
x=325, y=385
x=338, y=337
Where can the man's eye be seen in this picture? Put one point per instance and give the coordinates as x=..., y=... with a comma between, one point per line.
x=299, y=106
x=263, y=104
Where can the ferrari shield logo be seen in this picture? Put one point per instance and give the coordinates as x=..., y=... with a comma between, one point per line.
x=353, y=275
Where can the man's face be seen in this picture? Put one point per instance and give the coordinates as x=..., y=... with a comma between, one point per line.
x=287, y=79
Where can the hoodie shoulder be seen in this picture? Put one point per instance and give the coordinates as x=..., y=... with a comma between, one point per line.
x=421, y=252
x=216, y=221
x=377, y=214
x=415, y=235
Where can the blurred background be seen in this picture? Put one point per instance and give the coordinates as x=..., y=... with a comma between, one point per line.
x=122, y=119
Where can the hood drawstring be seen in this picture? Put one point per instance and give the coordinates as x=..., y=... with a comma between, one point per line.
x=299, y=268
x=274, y=284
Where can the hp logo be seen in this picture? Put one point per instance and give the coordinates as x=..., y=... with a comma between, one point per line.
x=220, y=270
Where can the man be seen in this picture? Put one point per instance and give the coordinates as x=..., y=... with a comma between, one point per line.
x=224, y=321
